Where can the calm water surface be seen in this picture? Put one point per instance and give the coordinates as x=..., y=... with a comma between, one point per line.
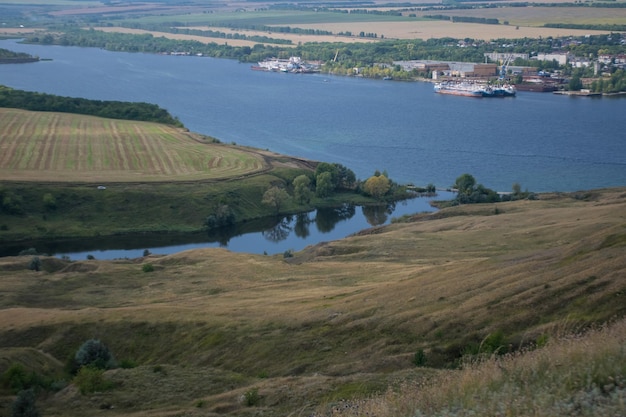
x=544, y=142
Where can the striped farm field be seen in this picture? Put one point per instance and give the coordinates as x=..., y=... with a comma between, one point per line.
x=62, y=147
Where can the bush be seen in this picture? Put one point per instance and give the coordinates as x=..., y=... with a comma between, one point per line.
x=16, y=378
x=34, y=264
x=128, y=364
x=24, y=405
x=147, y=268
x=251, y=397
x=95, y=354
x=90, y=379
x=420, y=358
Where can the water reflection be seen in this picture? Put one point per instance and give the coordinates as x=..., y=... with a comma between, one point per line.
x=280, y=231
x=268, y=235
x=327, y=218
x=378, y=214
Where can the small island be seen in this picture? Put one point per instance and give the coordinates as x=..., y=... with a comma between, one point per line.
x=10, y=57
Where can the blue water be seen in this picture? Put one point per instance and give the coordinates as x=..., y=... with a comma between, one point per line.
x=542, y=141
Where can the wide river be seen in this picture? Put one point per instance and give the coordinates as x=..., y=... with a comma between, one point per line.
x=542, y=141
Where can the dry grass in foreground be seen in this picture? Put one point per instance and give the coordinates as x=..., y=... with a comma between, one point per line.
x=346, y=319
x=573, y=375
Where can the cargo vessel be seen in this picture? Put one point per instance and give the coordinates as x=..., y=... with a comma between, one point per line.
x=463, y=88
x=469, y=89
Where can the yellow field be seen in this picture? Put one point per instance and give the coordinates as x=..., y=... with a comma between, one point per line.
x=46, y=146
x=389, y=30
x=441, y=29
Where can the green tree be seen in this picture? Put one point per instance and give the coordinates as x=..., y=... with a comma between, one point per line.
x=346, y=178
x=275, y=197
x=24, y=404
x=95, y=354
x=324, y=184
x=575, y=83
x=302, y=189
x=465, y=184
x=324, y=167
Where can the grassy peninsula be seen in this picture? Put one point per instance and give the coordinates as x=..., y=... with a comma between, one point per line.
x=485, y=308
x=70, y=175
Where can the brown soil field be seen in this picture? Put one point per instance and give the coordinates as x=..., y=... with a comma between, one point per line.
x=47, y=146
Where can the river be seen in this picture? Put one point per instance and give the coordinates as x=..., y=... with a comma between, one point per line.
x=543, y=141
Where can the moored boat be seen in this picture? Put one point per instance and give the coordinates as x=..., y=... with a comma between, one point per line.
x=470, y=89
x=465, y=89
x=504, y=90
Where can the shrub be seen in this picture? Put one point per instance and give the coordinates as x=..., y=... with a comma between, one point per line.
x=90, y=379
x=420, y=358
x=34, y=264
x=24, y=405
x=251, y=397
x=95, y=354
x=29, y=251
x=15, y=378
x=147, y=268
x=128, y=364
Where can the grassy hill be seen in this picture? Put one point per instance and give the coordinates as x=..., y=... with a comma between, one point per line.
x=218, y=333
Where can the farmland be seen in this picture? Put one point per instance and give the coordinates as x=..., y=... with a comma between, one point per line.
x=523, y=22
x=42, y=146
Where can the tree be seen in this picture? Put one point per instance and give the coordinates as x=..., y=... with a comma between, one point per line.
x=377, y=186
x=465, y=184
x=94, y=353
x=275, y=197
x=324, y=184
x=302, y=189
x=345, y=177
x=575, y=83
x=24, y=405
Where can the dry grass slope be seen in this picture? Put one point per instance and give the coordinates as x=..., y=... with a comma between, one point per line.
x=337, y=320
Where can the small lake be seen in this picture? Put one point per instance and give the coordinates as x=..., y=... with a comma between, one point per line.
x=267, y=236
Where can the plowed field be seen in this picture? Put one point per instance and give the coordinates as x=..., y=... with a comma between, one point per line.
x=59, y=147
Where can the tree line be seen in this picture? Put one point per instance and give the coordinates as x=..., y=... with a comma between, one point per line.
x=27, y=100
